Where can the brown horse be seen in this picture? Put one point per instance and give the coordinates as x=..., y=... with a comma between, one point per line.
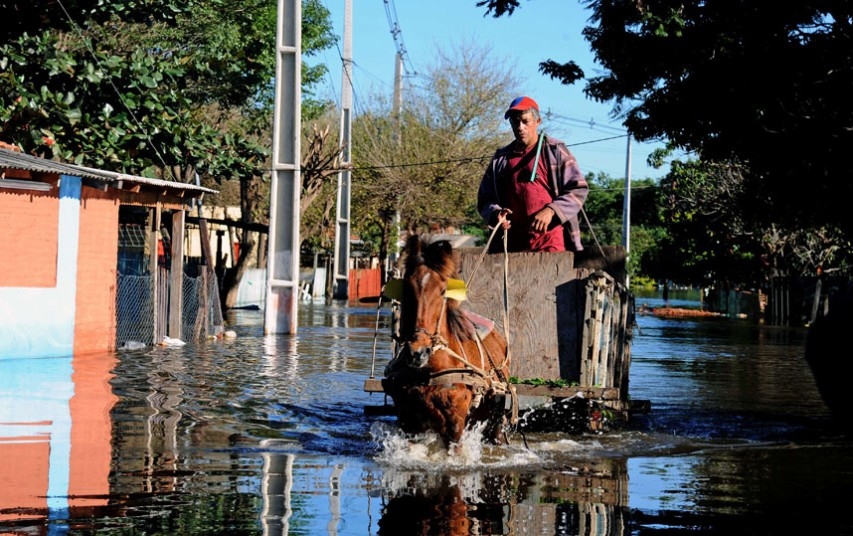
x=447, y=374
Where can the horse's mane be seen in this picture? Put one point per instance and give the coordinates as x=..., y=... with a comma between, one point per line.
x=440, y=257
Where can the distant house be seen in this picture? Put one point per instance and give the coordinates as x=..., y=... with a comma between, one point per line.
x=70, y=234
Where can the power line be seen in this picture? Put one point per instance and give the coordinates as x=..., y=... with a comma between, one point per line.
x=597, y=141
x=587, y=123
x=397, y=34
x=484, y=158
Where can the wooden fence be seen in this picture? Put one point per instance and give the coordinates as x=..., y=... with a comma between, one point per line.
x=364, y=283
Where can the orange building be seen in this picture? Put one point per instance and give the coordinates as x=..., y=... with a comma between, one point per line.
x=66, y=230
x=58, y=264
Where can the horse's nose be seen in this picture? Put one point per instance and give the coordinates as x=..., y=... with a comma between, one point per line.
x=420, y=349
x=418, y=357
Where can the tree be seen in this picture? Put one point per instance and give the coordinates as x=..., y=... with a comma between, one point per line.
x=235, y=83
x=169, y=89
x=320, y=163
x=427, y=162
x=734, y=82
x=710, y=238
x=604, y=210
x=63, y=98
x=148, y=84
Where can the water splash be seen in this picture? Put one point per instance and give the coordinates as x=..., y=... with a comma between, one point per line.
x=428, y=451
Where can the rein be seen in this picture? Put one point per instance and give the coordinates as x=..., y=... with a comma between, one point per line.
x=440, y=344
x=494, y=380
x=505, y=311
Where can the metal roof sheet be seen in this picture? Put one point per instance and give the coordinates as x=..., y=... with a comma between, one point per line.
x=16, y=160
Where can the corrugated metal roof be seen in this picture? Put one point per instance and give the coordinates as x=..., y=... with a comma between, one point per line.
x=16, y=160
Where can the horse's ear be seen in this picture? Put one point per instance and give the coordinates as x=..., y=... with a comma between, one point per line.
x=413, y=245
x=445, y=247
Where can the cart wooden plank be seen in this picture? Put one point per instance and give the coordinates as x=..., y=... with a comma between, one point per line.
x=592, y=393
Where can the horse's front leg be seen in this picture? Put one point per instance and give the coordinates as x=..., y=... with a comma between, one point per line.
x=452, y=404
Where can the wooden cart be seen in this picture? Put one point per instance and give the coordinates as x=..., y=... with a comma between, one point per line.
x=569, y=319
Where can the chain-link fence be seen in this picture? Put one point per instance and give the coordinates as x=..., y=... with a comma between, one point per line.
x=136, y=322
x=202, y=313
x=134, y=310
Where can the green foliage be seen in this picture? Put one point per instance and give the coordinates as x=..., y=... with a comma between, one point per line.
x=642, y=282
x=604, y=207
x=89, y=108
x=540, y=381
x=605, y=210
x=35, y=16
x=748, y=86
x=165, y=88
x=708, y=239
x=706, y=77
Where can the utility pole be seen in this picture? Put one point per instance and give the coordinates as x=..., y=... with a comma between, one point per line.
x=398, y=137
x=398, y=97
x=399, y=67
x=626, y=207
x=282, y=292
x=340, y=288
x=626, y=204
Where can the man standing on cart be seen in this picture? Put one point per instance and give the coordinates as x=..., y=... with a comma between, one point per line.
x=533, y=188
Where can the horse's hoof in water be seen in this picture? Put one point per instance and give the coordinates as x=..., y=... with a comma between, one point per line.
x=495, y=441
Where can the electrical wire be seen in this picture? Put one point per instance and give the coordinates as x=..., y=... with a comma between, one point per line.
x=397, y=34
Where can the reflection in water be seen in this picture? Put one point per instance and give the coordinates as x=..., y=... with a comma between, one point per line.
x=276, y=487
x=54, y=438
x=267, y=435
x=586, y=502
x=164, y=401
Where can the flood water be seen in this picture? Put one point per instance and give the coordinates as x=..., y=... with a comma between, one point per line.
x=268, y=436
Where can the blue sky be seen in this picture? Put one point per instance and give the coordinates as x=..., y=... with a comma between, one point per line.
x=538, y=30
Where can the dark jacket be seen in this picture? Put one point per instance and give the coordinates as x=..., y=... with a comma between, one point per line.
x=568, y=187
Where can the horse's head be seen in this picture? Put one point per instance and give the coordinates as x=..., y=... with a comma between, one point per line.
x=459, y=370
x=425, y=301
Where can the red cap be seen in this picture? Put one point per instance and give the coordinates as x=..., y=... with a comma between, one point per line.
x=520, y=104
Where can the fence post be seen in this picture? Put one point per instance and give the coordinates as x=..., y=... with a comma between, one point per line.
x=153, y=263
x=176, y=275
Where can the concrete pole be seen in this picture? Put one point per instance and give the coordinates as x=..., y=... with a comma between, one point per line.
x=282, y=296
x=398, y=139
x=340, y=290
x=626, y=207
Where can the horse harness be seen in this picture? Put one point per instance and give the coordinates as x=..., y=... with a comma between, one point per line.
x=468, y=374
